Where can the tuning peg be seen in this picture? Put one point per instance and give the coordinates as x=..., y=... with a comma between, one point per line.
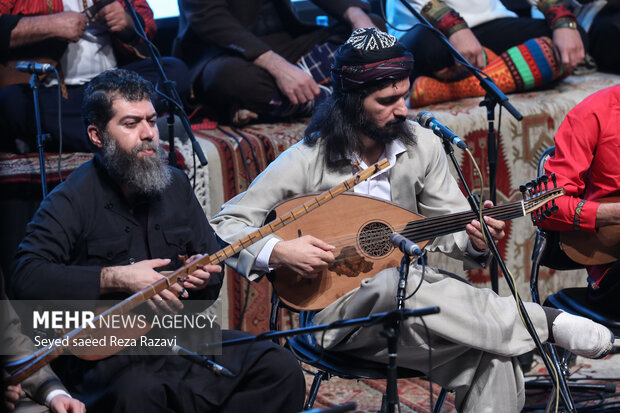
x=553, y=179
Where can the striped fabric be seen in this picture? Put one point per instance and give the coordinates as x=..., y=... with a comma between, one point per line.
x=523, y=67
x=533, y=63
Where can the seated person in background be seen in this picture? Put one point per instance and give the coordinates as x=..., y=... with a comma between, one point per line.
x=515, y=51
x=255, y=60
x=42, y=388
x=33, y=30
x=104, y=231
x=586, y=166
x=477, y=335
x=601, y=19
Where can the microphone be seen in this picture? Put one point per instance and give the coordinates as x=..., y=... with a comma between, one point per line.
x=428, y=121
x=34, y=67
x=202, y=360
x=404, y=244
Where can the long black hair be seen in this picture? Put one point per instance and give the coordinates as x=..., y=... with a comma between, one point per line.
x=339, y=120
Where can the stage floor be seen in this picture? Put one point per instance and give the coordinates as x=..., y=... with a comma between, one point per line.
x=414, y=393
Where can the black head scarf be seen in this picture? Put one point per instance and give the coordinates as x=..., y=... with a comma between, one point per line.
x=369, y=56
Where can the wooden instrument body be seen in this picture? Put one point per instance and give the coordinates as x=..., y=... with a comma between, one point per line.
x=593, y=248
x=348, y=219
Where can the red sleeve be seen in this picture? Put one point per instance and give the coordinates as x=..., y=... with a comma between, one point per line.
x=6, y=7
x=575, y=144
x=144, y=11
x=129, y=51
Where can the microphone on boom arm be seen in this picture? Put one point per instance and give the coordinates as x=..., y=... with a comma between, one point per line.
x=428, y=121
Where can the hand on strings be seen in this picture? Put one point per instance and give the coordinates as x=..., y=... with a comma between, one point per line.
x=466, y=43
x=474, y=230
x=63, y=404
x=199, y=278
x=306, y=256
x=11, y=395
x=135, y=277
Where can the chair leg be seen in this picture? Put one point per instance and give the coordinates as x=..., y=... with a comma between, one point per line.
x=319, y=376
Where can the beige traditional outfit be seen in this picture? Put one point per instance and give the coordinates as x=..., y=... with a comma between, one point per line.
x=477, y=334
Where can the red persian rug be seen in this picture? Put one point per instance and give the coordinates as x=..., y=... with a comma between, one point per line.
x=414, y=393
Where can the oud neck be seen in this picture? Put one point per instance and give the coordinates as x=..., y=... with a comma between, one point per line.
x=433, y=227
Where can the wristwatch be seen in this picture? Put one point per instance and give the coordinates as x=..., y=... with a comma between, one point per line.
x=568, y=24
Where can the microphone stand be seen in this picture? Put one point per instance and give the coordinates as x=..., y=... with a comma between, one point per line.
x=391, y=321
x=171, y=94
x=367, y=321
x=391, y=331
x=35, y=84
x=561, y=383
x=492, y=97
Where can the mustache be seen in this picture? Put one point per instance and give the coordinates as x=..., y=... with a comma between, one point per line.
x=145, y=146
x=398, y=119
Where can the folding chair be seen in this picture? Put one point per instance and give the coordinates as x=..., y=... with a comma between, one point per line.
x=330, y=364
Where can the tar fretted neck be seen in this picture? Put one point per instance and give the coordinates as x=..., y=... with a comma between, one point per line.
x=21, y=369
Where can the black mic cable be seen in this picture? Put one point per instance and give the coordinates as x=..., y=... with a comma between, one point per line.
x=202, y=360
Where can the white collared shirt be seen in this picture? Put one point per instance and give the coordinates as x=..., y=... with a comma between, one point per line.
x=377, y=186
x=89, y=56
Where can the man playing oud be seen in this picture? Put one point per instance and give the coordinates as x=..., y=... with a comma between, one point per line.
x=477, y=335
x=586, y=166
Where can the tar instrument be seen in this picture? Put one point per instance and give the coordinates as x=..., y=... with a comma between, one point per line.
x=359, y=227
x=23, y=368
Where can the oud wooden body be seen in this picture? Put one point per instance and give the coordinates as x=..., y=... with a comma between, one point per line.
x=360, y=227
x=593, y=248
x=348, y=217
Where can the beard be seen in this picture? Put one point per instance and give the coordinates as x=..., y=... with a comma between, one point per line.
x=146, y=175
x=397, y=128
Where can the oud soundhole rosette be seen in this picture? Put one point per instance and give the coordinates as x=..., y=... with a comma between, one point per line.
x=374, y=239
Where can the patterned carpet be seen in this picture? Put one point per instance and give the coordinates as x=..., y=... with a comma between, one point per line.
x=414, y=393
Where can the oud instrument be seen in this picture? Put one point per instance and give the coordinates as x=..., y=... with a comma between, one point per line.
x=593, y=248
x=360, y=226
x=21, y=369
